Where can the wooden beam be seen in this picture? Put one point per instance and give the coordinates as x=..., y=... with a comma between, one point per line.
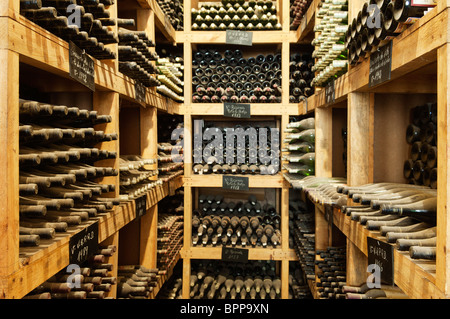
x=323, y=143
x=443, y=180
x=359, y=139
x=9, y=168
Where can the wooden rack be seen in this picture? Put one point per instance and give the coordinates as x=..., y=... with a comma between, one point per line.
x=29, y=50
x=376, y=118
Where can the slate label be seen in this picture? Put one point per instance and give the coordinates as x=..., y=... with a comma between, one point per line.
x=381, y=254
x=235, y=254
x=83, y=244
x=380, y=65
x=239, y=37
x=81, y=66
x=235, y=183
x=141, y=206
x=236, y=110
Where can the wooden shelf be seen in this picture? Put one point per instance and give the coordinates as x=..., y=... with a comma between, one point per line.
x=257, y=253
x=306, y=27
x=219, y=37
x=256, y=109
x=407, y=57
x=37, y=264
x=161, y=21
x=254, y=181
x=415, y=277
x=41, y=49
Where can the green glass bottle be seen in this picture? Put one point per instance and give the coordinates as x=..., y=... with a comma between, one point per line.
x=307, y=159
x=304, y=136
x=304, y=170
x=303, y=147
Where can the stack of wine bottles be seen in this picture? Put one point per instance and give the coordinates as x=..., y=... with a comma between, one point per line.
x=211, y=279
x=300, y=77
x=404, y=213
x=374, y=28
x=331, y=272
x=174, y=11
x=170, y=230
x=330, y=51
x=256, y=153
x=135, y=56
x=299, y=150
x=298, y=288
x=232, y=78
x=236, y=15
x=302, y=227
x=56, y=169
x=421, y=167
x=136, y=281
x=172, y=288
x=226, y=222
x=170, y=149
x=90, y=32
x=171, y=77
x=297, y=11
x=366, y=292
x=93, y=280
x=135, y=176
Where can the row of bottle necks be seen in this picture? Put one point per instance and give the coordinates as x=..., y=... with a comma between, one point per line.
x=229, y=77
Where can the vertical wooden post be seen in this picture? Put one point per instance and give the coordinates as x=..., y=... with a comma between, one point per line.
x=356, y=265
x=9, y=8
x=186, y=278
x=285, y=57
x=187, y=240
x=107, y=103
x=359, y=168
x=187, y=23
x=443, y=179
x=285, y=279
x=323, y=143
x=283, y=7
x=359, y=139
x=9, y=168
x=114, y=259
x=149, y=222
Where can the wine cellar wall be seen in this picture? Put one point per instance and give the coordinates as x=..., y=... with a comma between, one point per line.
x=318, y=133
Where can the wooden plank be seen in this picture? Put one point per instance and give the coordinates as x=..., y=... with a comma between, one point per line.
x=256, y=109
x=114, y=260
x=255, y=181
x=107, y=103
x=9, y=8
x=9, y=172
x=359, y=139
x=257, y=253
x=186, y=287
x=443, y=224
x=323, y=143
x=219, y=37
x=356, y=265
x=148, y=238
